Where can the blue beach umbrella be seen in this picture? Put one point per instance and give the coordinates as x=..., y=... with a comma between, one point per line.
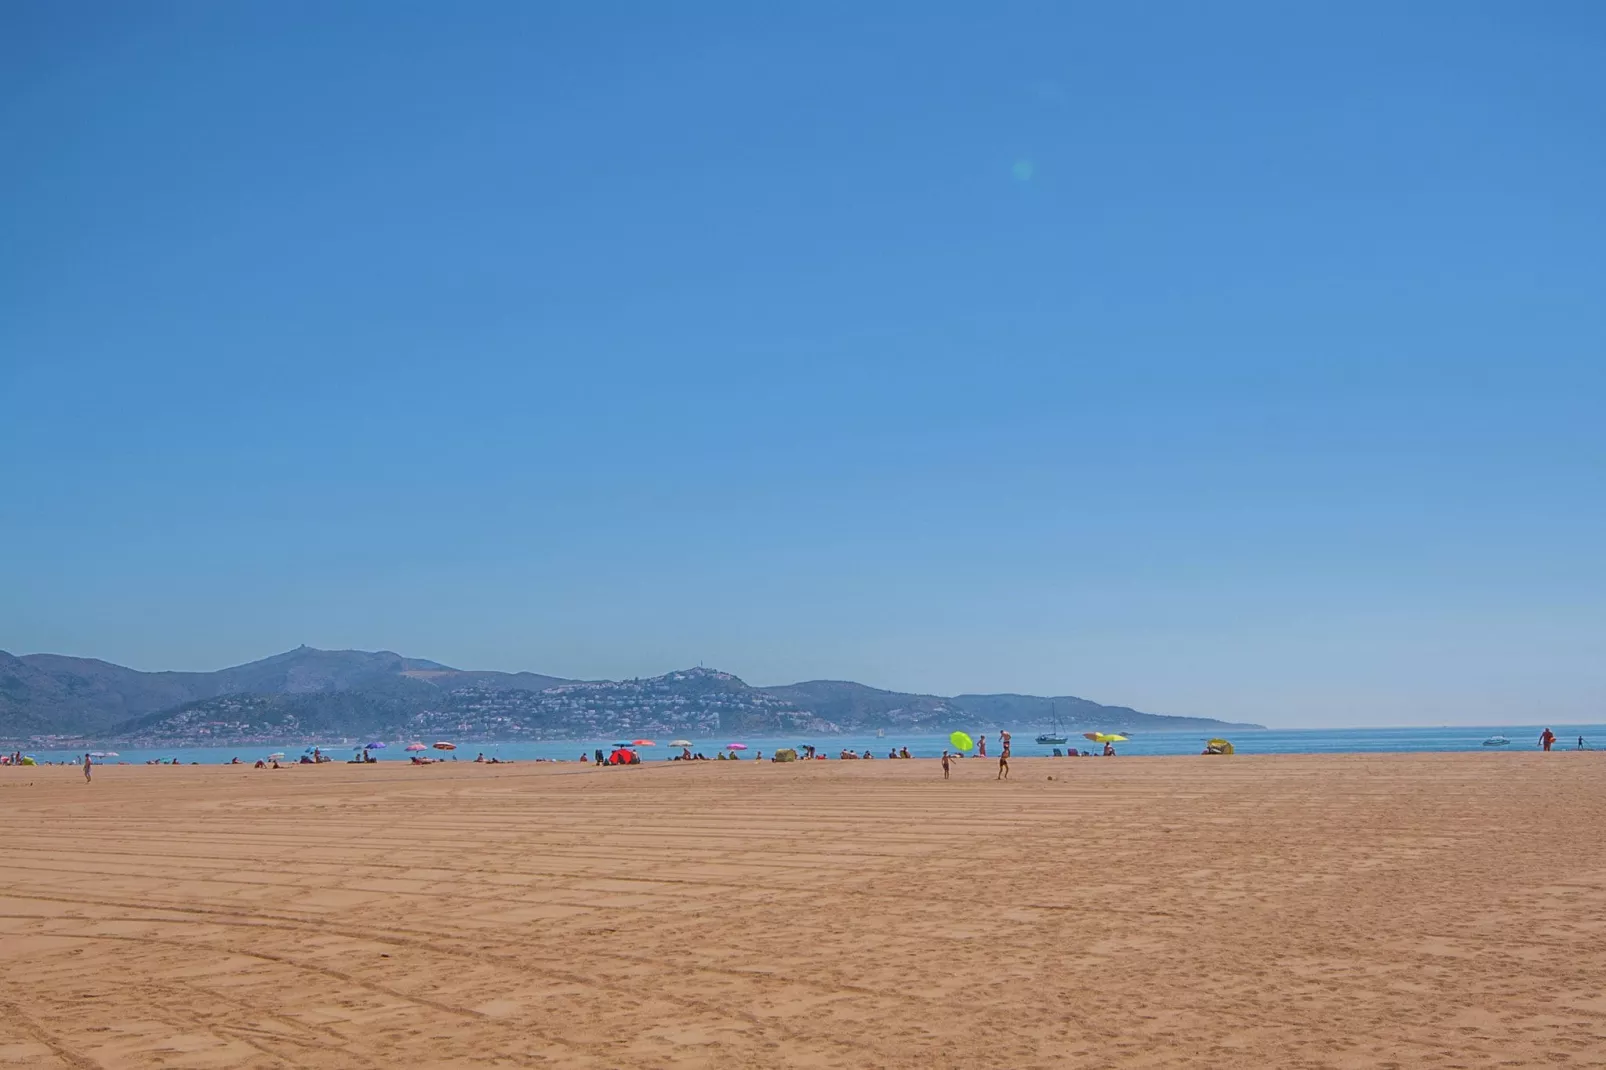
x=375, y=746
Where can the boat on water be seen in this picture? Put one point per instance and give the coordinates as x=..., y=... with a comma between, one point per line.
x=1055, y=738
x=1497, y=741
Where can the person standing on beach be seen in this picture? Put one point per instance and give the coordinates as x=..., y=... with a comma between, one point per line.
x=981, y=747
x=88, y=765
x=1546, y=738
x=1003, y=765
x=945, y=765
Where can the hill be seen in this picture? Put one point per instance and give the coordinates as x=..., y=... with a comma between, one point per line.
x=84, y=696
x=308, y=692
x=1080, y=714
x=869, y=707
x=697, y=702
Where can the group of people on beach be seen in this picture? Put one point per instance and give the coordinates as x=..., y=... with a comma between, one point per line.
x=949, y=758
x=1547, y=739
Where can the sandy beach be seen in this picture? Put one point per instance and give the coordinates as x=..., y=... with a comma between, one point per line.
x=1290, y=911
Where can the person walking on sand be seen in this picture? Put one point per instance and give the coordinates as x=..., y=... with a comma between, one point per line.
x=1003, y=765
x=88, y=765
x=945, y=765
x=1546, y=738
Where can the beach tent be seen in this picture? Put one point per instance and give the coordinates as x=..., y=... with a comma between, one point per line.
x=1218, y=746
x=786, y=754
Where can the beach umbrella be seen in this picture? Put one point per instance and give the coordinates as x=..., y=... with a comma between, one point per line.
x=642, y=743
x=1104, y=737
x=112, y=754
x=415, y=746
x=275, y=756
x=443, y=745
x=374, y=746
x=961, y=741
x=680, y=743
x=736, y=746
x=98, y=754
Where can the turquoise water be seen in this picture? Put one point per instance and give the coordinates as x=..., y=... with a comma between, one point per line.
x=1274, y=741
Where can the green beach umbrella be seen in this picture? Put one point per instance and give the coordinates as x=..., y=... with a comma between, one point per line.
x=961, y=741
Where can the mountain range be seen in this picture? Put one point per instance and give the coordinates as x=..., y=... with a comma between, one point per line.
x=306, y=692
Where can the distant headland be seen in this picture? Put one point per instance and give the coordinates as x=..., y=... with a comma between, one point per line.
x=309, y=692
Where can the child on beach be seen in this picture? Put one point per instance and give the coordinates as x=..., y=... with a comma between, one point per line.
x=87, y=766
x=945, y=765
x=1003, y=765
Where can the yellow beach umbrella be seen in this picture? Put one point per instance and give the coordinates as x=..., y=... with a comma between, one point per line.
x=961, y=741
x=1104, y=737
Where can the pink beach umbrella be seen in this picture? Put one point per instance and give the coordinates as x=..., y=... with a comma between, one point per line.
x=415, y=746
x=736, y=746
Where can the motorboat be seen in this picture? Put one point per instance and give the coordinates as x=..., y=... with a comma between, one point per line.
x=1497, y=741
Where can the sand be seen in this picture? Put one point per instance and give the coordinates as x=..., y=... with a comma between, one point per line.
x=1291, y=911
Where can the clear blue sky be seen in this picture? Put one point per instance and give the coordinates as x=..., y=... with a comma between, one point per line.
x=1245, y=360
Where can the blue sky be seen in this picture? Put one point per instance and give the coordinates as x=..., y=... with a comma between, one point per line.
x=1243, y=360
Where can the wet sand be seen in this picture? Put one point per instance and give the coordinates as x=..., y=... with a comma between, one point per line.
x=1290, y=911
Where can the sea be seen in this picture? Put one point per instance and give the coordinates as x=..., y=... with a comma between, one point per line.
x=1139, y=744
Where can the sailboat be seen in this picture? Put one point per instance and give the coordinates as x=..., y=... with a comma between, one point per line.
x=1055, y=738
